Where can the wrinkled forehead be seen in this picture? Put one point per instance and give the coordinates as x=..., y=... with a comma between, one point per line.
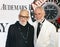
x=24, y=13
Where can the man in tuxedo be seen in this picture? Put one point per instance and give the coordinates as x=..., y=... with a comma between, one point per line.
x=21, y=33
x=45, y=32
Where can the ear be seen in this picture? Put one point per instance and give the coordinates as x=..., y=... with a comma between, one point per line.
x=43, y=12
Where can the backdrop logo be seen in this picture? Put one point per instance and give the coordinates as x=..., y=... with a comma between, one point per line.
x=3, y=27
x=13, y=7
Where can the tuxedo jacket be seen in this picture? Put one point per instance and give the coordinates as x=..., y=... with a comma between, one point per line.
x=47, y=35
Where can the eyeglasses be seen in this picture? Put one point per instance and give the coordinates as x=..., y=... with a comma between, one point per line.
x=24, y=16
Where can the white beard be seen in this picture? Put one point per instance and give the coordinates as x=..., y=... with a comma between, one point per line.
x=40, y=20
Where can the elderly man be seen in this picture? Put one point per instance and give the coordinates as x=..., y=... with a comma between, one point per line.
x=21, y=33
x=45, y=32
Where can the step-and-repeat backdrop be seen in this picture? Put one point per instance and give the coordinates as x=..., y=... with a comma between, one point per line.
x=9, y=11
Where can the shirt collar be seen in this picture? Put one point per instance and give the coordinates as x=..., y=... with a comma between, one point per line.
x=41, y=21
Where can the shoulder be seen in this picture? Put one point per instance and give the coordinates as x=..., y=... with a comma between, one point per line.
x=49, y=25
x=30, y=25
x=12, y=26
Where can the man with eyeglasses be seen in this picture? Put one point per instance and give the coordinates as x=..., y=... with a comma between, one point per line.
x=21, y=33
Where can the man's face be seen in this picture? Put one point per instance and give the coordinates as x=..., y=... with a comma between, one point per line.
x=39, y=14
x=24, y=16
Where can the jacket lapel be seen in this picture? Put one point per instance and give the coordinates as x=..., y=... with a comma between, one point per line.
x=41, y=34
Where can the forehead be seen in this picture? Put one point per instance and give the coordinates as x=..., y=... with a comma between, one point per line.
x=38, y=10
x=24, y=13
